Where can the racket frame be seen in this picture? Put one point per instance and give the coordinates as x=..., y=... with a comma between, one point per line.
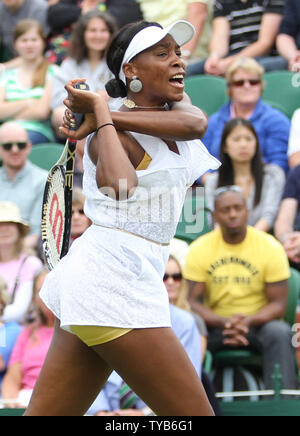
x=61, y=223
x=67, y=176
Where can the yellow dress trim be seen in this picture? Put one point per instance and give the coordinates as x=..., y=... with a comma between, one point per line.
x=95, y=335
x=145, y=162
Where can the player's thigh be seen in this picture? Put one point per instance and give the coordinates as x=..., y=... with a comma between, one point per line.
x=71, y=378
x=156, y=366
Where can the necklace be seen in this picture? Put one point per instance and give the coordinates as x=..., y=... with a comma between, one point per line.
x=130, y=104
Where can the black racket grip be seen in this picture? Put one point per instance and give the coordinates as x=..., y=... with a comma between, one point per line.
x=79, y=117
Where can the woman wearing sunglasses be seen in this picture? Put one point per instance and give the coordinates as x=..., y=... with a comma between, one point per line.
x=242, y=166
x=245, y=88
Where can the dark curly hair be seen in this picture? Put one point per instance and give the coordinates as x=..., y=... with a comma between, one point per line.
x=115, y=55
x=78, y=49
x=226, y=173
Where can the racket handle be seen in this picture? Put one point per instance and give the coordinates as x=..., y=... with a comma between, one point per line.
x=79, y=117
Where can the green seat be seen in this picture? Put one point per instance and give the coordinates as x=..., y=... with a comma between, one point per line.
x=283, y=88
x=193, y=222
x=208, y=362
x=279, y=107
x=3, y=54
x=45, y=155
x=282, y=407
x=12, y=412
x=208, y=93
x=242, y=357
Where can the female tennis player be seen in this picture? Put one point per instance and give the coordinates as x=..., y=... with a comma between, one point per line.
x=107, y=294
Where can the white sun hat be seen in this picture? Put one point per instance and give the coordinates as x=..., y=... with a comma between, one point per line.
x=10, y=213
x=182, y=31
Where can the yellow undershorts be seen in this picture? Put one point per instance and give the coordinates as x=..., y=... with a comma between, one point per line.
x=95, y=335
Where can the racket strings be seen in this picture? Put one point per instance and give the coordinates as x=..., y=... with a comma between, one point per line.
x=54, y=216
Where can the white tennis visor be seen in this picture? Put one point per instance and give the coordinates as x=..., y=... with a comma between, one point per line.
x=182, y=31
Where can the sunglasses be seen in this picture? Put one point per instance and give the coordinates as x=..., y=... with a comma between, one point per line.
x=7, y=146
x=80, y=211
x=240, y=83
x=223, y=189
x=177, y=277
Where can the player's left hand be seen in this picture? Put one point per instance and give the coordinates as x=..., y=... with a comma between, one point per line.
x=80, y=101
x=87, y=127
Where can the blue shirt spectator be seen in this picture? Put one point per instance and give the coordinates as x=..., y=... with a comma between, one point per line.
x=9, y=333
x=272, y=128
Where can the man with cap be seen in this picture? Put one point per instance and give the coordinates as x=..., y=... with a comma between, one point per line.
x=20, y=180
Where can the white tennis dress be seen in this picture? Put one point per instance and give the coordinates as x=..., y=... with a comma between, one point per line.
x=113, y=278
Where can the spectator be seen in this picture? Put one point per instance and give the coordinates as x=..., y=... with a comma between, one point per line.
x=243, y=275
x=89, y=41
x=25, y=91
x=29, y=353
x=20, y=180
x=288, y=40
x=80, y=222
x=287, y=226
x=62, y=15
x=197, y=12
x=294, y=141
x=9, y=331
x=262, y=185
x=12, y=12
x=16, y=266
x=243, y=29
x=178, y=291
x=245, y=88
x=109, y=401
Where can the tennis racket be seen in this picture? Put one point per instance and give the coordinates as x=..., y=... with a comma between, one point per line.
x=57, y=201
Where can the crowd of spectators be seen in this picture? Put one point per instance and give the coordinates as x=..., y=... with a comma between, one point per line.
x=237, y=273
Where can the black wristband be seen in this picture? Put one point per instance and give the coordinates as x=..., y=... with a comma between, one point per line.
x=104, y=125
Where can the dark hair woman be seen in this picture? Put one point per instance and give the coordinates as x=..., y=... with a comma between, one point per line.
x=108, y=294
x=242, y=165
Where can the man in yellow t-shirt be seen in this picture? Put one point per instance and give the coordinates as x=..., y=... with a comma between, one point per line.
x=197, y=12
x=242, y=273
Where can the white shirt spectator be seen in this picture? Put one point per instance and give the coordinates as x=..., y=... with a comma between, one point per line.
x=294, y=140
